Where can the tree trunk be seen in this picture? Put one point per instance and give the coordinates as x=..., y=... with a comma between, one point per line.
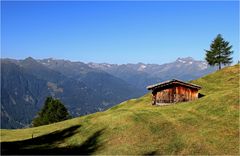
x=219, y=66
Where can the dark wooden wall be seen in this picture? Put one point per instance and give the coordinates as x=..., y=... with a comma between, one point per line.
x=173, y=94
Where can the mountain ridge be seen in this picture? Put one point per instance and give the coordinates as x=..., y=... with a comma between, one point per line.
x=182, y=68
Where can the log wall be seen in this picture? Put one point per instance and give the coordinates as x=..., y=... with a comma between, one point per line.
x=174, y=94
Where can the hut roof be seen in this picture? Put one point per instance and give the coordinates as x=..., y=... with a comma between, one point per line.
x=173, y=81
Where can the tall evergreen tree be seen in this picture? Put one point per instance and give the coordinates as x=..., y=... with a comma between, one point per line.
x=52, y=111
x=219, y=53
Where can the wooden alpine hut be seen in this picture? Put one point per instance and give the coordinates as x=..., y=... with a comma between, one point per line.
x=173, y=91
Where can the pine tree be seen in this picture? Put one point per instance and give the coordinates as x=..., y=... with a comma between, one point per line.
x=219, y=53
x=52, y=111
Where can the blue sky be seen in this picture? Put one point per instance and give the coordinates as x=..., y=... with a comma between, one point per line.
x=116, y=32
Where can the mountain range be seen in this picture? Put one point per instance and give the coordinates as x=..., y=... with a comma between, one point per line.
x=83, y=87
x=140, y=75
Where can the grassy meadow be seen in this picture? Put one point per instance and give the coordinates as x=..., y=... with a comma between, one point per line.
x=209, y=125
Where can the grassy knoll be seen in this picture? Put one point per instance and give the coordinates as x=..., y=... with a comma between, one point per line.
x=209, y=125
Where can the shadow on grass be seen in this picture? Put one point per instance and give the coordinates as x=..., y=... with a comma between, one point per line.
x=200, y=95
x=47, y=144
x=151, y=153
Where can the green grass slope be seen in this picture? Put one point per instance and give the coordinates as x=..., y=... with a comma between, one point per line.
x=209, y=125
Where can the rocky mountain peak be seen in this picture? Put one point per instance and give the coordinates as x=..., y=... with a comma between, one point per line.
x=186, y=60
x=29, y=59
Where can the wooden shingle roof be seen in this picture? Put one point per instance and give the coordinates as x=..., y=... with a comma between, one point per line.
x=173, y=81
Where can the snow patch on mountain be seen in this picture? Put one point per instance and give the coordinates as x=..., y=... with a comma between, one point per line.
x=203, y=65
x=141, y=68
x=182, y=61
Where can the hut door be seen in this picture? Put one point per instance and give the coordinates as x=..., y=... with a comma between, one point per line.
x=171, y=95
x=154, y=99
x=174, y=94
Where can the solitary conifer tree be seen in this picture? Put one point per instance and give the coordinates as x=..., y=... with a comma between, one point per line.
x=219, y=53
x=52, y=111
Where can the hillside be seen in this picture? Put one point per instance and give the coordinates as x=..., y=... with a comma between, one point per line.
x=209, y=125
